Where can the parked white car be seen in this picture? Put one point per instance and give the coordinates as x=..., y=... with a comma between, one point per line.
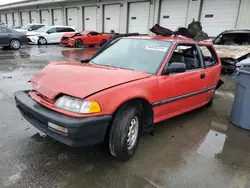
x=49, y=34
x=29, y=27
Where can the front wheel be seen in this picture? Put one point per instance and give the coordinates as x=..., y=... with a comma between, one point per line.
x=15, y=44
x=125, y=132
x=79, y=43
x=42, y=41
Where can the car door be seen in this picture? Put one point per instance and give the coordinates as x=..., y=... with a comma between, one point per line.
x=93, y=38
x=212, y=67
x=51, y=35
x=5, y=36
x=181, y=92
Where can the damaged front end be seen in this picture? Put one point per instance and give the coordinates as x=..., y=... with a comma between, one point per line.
x=228, y=64
x=231, y=55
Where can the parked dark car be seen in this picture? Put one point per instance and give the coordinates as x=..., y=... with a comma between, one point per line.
x=10, y=38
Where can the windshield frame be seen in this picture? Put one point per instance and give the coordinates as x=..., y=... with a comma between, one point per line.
x=132, y=38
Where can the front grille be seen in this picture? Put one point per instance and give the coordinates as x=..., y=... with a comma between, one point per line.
x=44, y=97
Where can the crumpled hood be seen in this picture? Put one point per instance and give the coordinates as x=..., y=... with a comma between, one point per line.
x=232, y=51
x=80, y=80
x=72, y=34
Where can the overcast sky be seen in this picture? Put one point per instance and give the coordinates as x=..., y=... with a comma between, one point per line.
x=2, y=2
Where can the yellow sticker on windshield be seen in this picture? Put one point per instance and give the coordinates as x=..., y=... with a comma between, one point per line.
x=156, y=48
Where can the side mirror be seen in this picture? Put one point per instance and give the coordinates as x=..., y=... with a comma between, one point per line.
x=175, y=67
x=85, y=60
x=30, y=29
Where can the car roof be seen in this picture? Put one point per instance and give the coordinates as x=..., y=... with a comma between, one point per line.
x=237, y=31
x=179, y=39
x=61, y=26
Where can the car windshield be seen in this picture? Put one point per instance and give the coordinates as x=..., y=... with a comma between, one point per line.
x=42, y=29
x=25, y=27
x=141, y=55
x=233, y=39
x=84, y=32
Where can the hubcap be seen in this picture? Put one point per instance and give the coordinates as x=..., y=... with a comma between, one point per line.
x=42, y=41
x=15, y=44
x=133, y=132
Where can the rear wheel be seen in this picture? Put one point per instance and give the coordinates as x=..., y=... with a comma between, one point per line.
x=15, y=44
x=103, y=42
x=79, y=43
x=42, y=41
x=125, y=132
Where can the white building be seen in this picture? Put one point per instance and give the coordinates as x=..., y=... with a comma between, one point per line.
x=130, y=15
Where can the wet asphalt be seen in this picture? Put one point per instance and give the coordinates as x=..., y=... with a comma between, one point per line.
x=198, y=149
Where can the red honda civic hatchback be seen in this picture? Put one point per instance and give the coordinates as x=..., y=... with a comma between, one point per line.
x=122, y=92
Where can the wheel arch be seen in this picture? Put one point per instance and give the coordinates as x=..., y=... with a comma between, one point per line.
x=15, y=39
x=147, y=116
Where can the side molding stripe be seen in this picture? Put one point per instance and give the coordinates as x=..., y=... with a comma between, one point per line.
x=166, y=101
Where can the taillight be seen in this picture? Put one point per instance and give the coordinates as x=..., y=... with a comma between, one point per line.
x=25, y=35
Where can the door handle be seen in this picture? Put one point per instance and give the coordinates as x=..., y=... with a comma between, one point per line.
x=203, y=75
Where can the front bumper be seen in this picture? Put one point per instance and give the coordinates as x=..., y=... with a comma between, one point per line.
x=33, y=39
x=67, y=43
x=81, y=131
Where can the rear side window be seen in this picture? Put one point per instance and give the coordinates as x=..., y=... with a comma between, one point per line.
x=70, y=30
x=4, y=30
x=64, y=29
x=33, y=27
x=209, y=56
x=39, y=26
x=94, y=34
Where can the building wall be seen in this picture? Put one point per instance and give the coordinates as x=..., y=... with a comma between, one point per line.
x=194, y=9
x=244, y=15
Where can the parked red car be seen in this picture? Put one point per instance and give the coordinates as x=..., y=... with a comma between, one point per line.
x=84, y=38
x=122, y=92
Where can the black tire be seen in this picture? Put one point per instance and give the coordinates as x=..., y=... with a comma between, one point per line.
x=79, y=43
x=119, y=141
x=103, y=42
x=42, y=41
x=15, y=44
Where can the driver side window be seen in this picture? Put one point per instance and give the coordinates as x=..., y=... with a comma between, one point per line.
x=187, y=54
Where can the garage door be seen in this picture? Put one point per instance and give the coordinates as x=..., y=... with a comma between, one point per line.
x=45, y=17
x=9, y=19
x=33, y=17
x=3, y=20
x=219, y=15
x=90, y=18
x=24, y=16
x=173, y=13
x=57, y=17
x=72, y=17
x=138, y=17
x=112, y=18
x=16, y=19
